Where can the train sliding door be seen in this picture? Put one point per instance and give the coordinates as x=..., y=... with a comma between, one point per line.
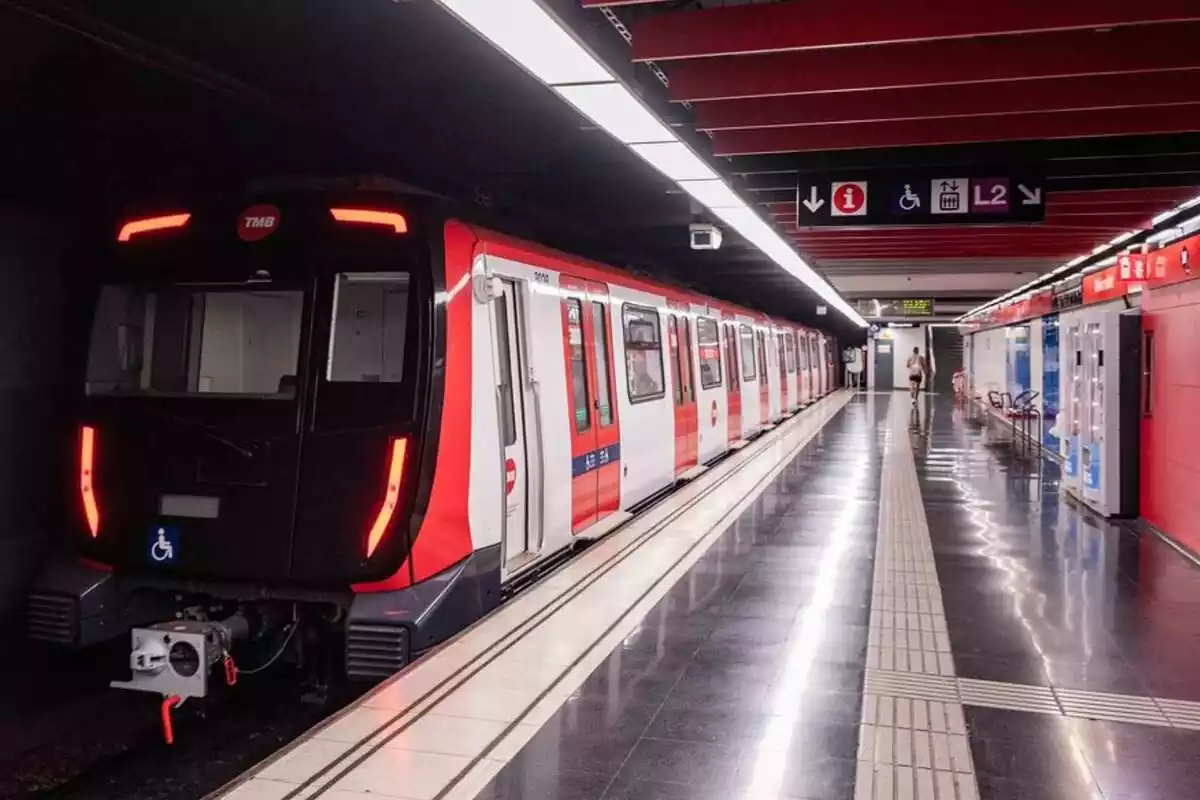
x=595, y=434
x=733, y=383
x=686, y=415
x=522, y=533
x=764, y=380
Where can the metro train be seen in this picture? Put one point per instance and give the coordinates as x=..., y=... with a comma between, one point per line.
x=355, y=414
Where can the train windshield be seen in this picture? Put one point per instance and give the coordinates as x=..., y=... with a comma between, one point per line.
x=196, y=341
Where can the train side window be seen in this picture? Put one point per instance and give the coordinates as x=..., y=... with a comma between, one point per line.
x=747, y=335
x=789, y=346
x=603, y=373
x=762, y=354
x=801, y=354
x=643, y=353
x=1147, y=373
x=579, y=381
x=709, y=341
x=508, y=419
x=370, y=318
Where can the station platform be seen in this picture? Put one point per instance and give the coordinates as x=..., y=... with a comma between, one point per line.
x=873, y=601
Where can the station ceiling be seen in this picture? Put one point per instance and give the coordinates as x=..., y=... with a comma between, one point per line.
x=123, y=107
x=1102, y=97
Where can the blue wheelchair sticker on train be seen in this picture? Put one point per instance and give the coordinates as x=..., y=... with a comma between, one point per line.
x=163, y=544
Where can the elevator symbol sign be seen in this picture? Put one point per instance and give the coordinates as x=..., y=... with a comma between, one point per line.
x=849, y=199
x=949, y=196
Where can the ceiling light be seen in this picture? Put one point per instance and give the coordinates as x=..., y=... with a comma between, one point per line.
x=539, y=42
x=531, y=37
x=751, y=227
x=1163, y=217
x=675, y=160
x=1164, y=235
x=616, y=110
x=1124, y=237
x=713, y=194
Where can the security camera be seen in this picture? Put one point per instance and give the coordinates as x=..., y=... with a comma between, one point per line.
x=705, y=237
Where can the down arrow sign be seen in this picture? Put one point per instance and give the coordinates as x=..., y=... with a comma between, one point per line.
x=1033, y=197
x=813, y=203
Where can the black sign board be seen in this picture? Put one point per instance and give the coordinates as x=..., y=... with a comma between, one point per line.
x=946, y=197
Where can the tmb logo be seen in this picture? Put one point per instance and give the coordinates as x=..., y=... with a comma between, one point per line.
x=257, y=222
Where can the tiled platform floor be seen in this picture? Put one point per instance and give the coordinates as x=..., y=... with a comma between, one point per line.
x=910, y=611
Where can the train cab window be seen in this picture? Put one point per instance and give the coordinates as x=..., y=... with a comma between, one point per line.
x=709, y=340
x=579, y=381
x=180, y=341
x=747, y=336
x=643, y=353
x=370, y=318
x=603, y=389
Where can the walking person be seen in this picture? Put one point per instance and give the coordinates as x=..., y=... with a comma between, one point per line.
x=916, y=373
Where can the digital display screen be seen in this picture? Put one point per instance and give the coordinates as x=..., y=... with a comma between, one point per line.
x=896, y=308
x=916, y=308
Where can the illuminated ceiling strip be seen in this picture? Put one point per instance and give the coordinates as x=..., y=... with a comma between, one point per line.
x=1155, y=238
x=532, y=37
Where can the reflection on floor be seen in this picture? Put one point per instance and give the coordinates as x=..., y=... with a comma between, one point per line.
x=1070, y=642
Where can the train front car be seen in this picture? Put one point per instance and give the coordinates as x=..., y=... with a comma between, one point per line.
x=258, y=434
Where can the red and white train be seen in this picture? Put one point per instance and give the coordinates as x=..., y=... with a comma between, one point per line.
x=358, y=413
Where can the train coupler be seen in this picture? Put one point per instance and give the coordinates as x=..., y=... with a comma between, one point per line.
x=175, y=659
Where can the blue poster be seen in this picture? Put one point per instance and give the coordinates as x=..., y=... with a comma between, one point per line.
x=1017, y=359
x=1050, y=381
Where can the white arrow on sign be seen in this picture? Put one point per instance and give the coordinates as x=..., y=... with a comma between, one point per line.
x=1033, y=197
x=813, y=203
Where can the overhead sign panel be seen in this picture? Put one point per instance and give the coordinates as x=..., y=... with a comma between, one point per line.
x=923, y=198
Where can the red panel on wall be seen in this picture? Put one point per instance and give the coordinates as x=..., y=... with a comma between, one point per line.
x=1172, y=264
x=1113, y=282
x=1170, y=434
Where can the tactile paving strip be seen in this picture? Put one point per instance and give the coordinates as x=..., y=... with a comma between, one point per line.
x=913, y=737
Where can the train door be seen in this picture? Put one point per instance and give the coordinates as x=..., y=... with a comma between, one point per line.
x=522, y=527
x=781, y=354
x=733, y=371
x=819, y=388
x=764, y=379
x=686, y=420
x=595, y=432
x=803, y=379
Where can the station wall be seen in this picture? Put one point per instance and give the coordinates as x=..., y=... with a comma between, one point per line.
x=1170, y=433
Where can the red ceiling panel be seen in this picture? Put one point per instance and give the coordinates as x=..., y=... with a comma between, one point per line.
x=778, y=27
x=932, y=102
x=959, y=61
x=903, y=133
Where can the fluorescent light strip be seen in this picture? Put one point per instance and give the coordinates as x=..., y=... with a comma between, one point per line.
x=713, y=194
x=533, y=37
x=614, y=108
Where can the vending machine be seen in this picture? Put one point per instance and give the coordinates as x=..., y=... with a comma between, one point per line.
x=1104, y=408
x=1070, y=419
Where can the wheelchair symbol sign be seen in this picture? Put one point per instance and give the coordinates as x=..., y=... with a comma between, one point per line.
x=163, y=544
x=907, y=200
